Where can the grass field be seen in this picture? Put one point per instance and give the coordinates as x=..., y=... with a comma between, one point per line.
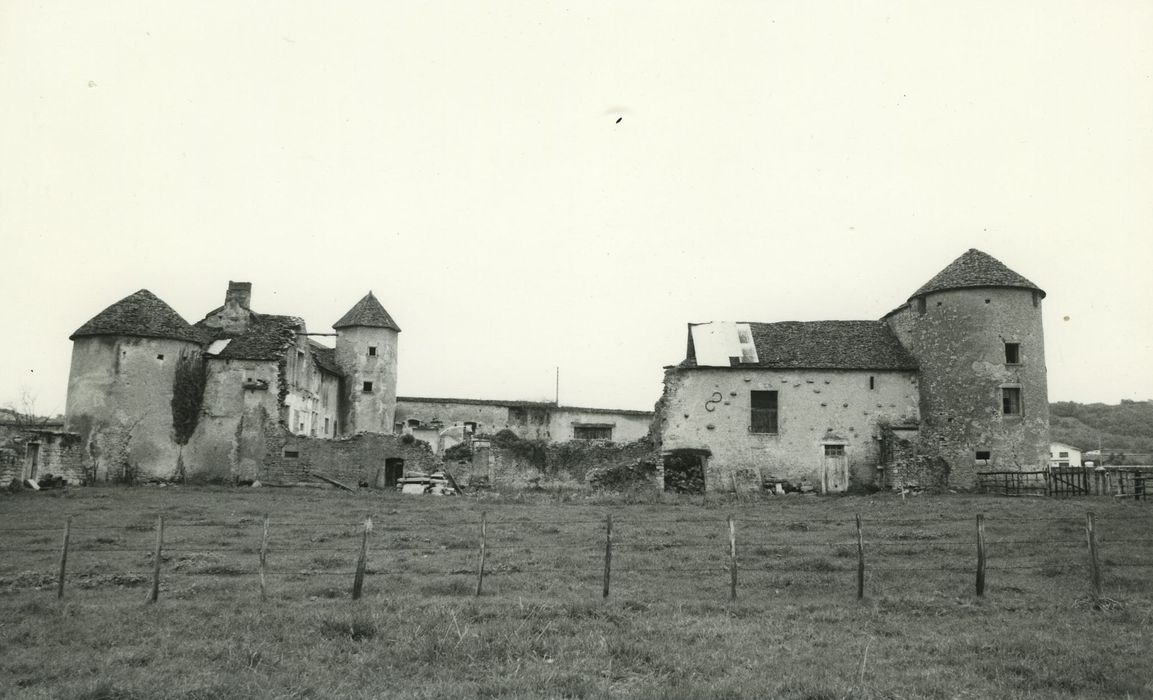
x=541, y=627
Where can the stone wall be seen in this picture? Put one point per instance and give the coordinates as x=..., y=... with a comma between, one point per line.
x=356, y=459
x=708, y=410
x=558, y=465
x=56, y=452
x=959, y=341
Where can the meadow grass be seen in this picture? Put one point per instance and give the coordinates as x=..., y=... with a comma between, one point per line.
x=541, y=628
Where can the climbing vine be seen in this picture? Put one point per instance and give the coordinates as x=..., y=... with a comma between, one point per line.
x=187, y=396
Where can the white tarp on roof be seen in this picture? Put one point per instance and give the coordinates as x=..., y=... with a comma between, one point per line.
x=718, y=341
x=218, y=346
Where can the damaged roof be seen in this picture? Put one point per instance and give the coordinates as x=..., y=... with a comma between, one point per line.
x=141, y=314
x=266, y=338
x=324, y=357
x=975, y=269
x=367, y=312
x=821, y=345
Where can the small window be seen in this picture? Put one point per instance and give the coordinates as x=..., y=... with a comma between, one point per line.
x=1063, y=455
x=834, y=450
x=1011, y=401
x=872, y=383
x=326, y=426
x=764, y=412
x=920, y=305
x=1012, y=353
x=984, y=455
x=1062, y=464
x=291, y=454
x=469, y=427
x=371, y=350
x=160, y=356
x=592, y=432
x=368, y=387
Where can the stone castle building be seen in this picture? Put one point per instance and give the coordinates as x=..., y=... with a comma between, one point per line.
x=238, y=395
x=950, y=383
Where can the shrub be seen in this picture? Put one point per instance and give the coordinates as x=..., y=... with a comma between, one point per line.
x=462, y=451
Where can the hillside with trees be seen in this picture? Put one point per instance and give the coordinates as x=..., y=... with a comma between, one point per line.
x=1127, y=426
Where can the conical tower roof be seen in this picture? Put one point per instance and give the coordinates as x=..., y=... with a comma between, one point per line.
x=367, y=312
x=975, y=269
x=142, y=315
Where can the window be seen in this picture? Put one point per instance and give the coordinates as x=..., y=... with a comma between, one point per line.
x=872, y=383
x=291, y=454
x=326, y=425
x=371, y=350
x=764, y=412
x=160, y=356
x=1011, y=401
x=834, y=450
x=984, y=455
x=592, y=432
x=368, y=387
x=469, y=427
x=920, y=305
x=1012, y=353
x=1063, y=455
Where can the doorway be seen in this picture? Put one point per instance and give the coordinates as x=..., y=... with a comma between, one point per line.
x=33, y=460
x=835, y=471
x=393, y=471
x=685, y=471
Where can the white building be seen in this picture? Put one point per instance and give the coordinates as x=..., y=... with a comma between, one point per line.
x=1062, y=455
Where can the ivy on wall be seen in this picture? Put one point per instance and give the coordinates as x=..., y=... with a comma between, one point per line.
x=187, y=396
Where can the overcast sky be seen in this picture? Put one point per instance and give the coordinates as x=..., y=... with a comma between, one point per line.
x=527, y=185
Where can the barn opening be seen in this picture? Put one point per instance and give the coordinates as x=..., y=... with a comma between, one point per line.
x=685, y=471
x=393, y=471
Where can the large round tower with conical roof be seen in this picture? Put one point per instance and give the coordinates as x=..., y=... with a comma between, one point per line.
x=975, y=330
x=366, y=352
x=120, y=387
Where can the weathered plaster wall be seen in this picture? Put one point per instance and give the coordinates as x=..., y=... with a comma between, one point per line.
x=313, y=394
x=367, y=411
x=627, y=426
x=356, y=459
x=529, y=422
x=959, y=343
x=710, y=409
x=240, y=406
x=120, y=402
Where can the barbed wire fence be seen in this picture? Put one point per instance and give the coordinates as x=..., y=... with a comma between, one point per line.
x=749, y=554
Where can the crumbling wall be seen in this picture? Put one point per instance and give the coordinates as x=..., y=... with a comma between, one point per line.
x=356, y=459
x=59, y=454
x=575, y=465
x=907, y=466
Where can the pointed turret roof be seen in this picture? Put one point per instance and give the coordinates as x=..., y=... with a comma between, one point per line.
x=142, y=315
x=975, y=269
x=367, y=312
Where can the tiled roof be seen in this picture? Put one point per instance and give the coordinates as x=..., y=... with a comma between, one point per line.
x=975, y=269
x=324, y=357
x=266, y=337
x=142, y=315
x=367, y=312
x=823, y=345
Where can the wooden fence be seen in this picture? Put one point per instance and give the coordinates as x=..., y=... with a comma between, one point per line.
x=1120, y=482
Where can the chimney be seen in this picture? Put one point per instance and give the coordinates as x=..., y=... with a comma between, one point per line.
x=238, y=294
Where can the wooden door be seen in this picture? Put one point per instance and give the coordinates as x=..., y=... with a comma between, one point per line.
x=835, y=474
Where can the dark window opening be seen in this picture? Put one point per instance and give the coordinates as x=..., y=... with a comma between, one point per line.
x=371, y=350
x=920, y=305
x=592, y=432
x=1063, y=455
x=834, y=450
x=984, y=455
x=988, y=301
x=1012, y=353
x=764, y=412
x=872, y=383
x=1011, y=401
x=367, y=386
x=469, y=427
x=160, y=356
x=393, y=471
x=291, y=454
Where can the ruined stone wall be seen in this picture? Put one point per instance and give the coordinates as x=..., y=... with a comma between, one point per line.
x=564, y=465
x=240, y=407
x=58, y=453
x=959, y=341
x=352, y=460
x=367, y=411
x=709, y=409
x=528, y=422
x=120, y=402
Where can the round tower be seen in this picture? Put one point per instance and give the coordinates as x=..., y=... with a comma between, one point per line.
x=120, y=387
x=366, y=352
x=975, y=330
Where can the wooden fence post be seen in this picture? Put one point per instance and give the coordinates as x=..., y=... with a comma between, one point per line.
x=483, y=546
x=980, y=555
x=264, y=561
x=1094, y=565
x=608, y=553
x=154, y=594
x=860, y=561
x=63, y=558
x=732, y=559
x=361, y=561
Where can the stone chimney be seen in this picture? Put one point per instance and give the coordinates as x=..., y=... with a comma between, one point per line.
x=238, y=294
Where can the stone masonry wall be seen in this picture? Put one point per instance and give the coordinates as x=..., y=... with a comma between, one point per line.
x=352, y=460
